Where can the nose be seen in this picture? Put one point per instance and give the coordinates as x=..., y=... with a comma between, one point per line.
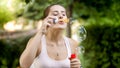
x=60, y=16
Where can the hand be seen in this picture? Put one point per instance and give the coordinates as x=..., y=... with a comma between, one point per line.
x=45, y=25
x=51, y=19
x=75, y=63
x=47, y=22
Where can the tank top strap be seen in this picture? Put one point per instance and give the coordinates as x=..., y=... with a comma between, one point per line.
x=68, y=46
x=67, y=43
x=36, y=62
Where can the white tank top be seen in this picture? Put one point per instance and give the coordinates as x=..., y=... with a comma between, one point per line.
x=44, y=61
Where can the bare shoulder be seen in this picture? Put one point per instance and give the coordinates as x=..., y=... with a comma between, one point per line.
x=73, y=44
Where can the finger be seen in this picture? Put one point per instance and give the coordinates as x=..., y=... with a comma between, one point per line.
x=48, y=25
x=75, y=63
x=75, y=60
x=50, y=21
x=75, y=66
x=53, y=19
x=45, y=27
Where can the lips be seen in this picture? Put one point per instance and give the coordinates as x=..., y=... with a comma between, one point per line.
x=61, y=22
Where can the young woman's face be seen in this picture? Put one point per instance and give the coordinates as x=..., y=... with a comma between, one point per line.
x=59, y=13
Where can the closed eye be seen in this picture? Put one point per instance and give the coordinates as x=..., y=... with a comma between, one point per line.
x=64, y=14
x=55, y=14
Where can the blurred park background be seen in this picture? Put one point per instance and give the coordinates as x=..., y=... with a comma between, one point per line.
x=19, y=20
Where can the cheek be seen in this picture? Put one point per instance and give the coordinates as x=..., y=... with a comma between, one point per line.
x=64, y=16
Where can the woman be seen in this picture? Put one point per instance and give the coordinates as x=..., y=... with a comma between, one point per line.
x=49, y=48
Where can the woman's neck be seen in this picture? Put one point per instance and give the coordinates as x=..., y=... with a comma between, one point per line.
x=55, y=35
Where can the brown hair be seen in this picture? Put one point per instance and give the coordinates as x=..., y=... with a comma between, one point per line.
x=46, y=11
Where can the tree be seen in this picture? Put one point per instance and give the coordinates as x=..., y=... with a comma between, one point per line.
x=10, y=10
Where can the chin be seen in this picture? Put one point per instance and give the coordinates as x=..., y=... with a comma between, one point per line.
x=60, y=28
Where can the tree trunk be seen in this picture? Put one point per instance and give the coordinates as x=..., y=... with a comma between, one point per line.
x=68, y=30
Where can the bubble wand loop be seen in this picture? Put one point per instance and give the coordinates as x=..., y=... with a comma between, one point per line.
x=65, y=20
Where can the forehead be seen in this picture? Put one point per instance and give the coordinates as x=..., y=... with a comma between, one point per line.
x=57, y=8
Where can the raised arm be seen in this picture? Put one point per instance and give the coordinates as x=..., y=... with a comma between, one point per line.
x=30, y=52
x=33, y=47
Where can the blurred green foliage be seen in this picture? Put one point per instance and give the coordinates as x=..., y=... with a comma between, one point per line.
x=10, y=10
x=5, y=14
x=101, y=20
x=10, y=51
x=35, y=8
x=102, y=46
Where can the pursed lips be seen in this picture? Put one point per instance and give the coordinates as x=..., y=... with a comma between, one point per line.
x=61, y=22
